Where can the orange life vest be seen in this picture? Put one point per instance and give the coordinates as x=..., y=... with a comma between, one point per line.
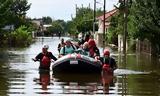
x=106, y=67
x=46, y=61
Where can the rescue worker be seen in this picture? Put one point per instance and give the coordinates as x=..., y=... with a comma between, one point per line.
x=109, y=64
x=45, y=58
x=93, y=50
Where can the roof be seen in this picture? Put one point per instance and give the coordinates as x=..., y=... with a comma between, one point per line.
x=47, y=25
x=108, y=14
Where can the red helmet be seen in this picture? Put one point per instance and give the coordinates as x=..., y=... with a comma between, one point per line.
x=91, y=42
x=106, y=52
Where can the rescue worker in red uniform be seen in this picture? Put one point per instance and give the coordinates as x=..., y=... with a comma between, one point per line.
x=109, y=64
x=93, y=50
x=45, y=58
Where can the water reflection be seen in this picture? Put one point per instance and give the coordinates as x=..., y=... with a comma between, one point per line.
x=78, y=83
x=84, y=83
x=107, y=81
x=44, y=79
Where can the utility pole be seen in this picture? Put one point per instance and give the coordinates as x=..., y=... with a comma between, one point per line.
x=125, y=25
x=104, y=17
x=94, y=16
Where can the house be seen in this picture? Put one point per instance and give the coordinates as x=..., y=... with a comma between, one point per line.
x=46, y=26
x=99, y=34
x=38, y=23
x=8, y=27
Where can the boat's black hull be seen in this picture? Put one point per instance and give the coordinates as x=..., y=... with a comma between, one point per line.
x=77, y=64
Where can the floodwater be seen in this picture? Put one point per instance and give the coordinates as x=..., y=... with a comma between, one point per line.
x=137, y=75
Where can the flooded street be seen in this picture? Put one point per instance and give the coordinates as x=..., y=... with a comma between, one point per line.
x=19, y=75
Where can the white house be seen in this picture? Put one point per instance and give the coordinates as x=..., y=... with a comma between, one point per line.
x=8, y=27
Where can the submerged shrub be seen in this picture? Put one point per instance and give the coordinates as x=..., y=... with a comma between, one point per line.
x=21, y=36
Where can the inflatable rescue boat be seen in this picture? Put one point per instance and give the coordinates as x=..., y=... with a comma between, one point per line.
x=76, y=63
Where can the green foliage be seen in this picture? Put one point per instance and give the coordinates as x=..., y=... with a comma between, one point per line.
x=12, y=12
x=4, y=12
x=84, y=19
x=143, y=22
x=21, y=36
x=56, y=27
x=18, y=12
x=83, y=22
x=19, y=7
x=147, y=21
x=47, y=20
x=116, y=27
x=71, y=28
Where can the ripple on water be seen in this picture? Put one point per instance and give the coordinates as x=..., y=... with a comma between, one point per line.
x=127, y=72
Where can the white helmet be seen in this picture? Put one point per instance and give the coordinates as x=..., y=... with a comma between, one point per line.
x=45, y=46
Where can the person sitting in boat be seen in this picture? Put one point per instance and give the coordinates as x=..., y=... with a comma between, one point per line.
x=84, y=50
x=109, y=64
x=61, y=44
x=83, y=40
x=69, y=48
x=45, y=58
x=93, y=50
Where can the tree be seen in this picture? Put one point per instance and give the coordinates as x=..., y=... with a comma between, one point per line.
x=19, y=7
x=55, y=28
x=47, y=20
x=84, y=19
x=146, y=16
x=63, y=24
x=4, y=11
x=71, y=28
x=12, y=12
x=18, y=12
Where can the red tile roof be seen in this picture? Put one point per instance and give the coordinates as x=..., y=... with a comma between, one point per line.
x=108, y=14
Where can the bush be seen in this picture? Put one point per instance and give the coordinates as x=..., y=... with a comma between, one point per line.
x=21, y=36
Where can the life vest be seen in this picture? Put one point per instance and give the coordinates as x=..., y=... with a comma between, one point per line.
x=46, y=61
x=106, y=67
x=92, y=45
x=91, y=52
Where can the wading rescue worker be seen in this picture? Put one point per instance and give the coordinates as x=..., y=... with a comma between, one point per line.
x=45, y=58
x=69, y=48
x=109, y=64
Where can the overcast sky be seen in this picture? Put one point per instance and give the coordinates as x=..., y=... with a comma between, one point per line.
x=62, y=9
